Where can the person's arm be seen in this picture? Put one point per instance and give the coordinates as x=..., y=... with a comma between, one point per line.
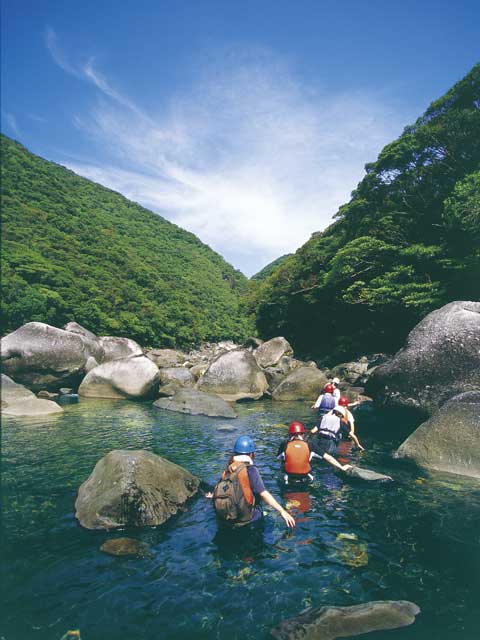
x=335, y=463
x=356, y=440
x=267, y=497
x=281, y=450
x=317, y=402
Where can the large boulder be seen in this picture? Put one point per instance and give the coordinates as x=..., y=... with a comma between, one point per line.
x=234, y=375
x=450, y=439
x=304, y=383
x=196, y=403
x=177, y=375
x=270, y=352
x=74, y=327
x=350, y=371
x=166, y=357
x=119, y=348
x=133, y=488
x=44, y=357
x=17, y=400
x=328, y=623
x=127, y=378
x=441, y=359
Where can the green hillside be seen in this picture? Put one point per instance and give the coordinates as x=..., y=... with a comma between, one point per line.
x=267, y=271
x=72, y=249
x=406, y=243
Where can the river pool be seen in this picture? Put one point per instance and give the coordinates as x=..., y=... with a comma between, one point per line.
x=418, y=539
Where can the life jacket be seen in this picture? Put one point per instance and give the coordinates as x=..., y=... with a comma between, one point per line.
x=297, y=457
x=233, y=499
x=327, y=403
x=330, y=426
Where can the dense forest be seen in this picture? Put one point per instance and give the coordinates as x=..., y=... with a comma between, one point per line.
x=267, y=271
x=74, y=250
x=406, y=243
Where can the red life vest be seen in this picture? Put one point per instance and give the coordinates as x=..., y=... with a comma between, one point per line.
x=297, y=457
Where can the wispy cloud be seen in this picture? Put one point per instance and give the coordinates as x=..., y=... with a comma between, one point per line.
x=57, y=53
x=248, y=158
x=11, y=122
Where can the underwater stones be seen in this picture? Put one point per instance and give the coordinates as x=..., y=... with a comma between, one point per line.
x=367, y=474
x=44, y=357
x=119, y=348
x=20, y=401
x=125, y=547
x=196, y=402
x=234, y=375
x=133, y=488
x=166, y=357
x=126, y=378
x=450, y=439
x=328, y=623
x=270, y=352
x=441, y=359
x=304, y=383
x=226, y=428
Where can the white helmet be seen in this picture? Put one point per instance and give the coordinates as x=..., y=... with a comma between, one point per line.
x=340, y=410
x=335, y=381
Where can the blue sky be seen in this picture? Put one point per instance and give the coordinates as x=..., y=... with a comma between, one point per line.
x=247, y=123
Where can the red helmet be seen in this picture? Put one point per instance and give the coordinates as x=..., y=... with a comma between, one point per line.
x=343, y=401
x=296, y=427
x=329, y=388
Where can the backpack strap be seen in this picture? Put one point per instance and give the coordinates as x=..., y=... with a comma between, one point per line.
x=240, y=469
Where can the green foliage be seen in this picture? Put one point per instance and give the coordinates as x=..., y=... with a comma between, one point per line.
x=73, y=250
x=264, y=273
x=406, y=243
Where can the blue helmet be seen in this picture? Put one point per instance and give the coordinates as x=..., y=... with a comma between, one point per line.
x=244, y=444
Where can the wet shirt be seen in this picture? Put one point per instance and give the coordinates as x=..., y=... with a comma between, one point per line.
x=257, y=486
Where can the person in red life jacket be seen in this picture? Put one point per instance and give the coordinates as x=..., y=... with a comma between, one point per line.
x=237, y=494
x=325, y=402
x=327, y=435
x=296, y=455
x=348, y=422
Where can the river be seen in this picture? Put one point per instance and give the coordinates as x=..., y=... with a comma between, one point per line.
x=417, y=539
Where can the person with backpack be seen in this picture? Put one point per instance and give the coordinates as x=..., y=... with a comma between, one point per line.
x=325, y=402
x=326, y=436
x=237, y=494
x=296, y=455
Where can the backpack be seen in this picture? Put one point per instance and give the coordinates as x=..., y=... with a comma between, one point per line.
x=233, y=499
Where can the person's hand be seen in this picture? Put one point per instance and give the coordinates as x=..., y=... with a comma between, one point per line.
x=346, y=467
x=360, y=447
x=289, y=519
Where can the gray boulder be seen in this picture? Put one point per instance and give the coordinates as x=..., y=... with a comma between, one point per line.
x=234, y=375
x=198, y=370
x=44, y=357
x=127, y=378
x=166, y=357
x=196, y=403
x=328, y=623
x=252, y=343
x=304, y=383
x=74, y=327
x=350, y=371
x=450, y=439
x=367, y=474
x=19, y=401
x=119, y=348
x=177, y=375
x=270, y=352
x=441, y=359
x=133, y=488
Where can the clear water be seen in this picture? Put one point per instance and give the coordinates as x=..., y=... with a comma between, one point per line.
x=416, y=540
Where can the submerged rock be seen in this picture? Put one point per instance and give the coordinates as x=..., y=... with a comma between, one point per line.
x=328, y=623
x=441, y=359
x=304, y=383
x=17, y=400
x=270, y=352
x=44, y=357
x=127, y=378
x=450, y=439
x=125, y=547
x=195, y=403
x=133, y=488
x=234, y=375
x=367, y=474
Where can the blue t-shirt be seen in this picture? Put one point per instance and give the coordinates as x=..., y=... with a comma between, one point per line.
x=257, y=487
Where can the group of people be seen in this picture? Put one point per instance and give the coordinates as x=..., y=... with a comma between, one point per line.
x=240, y=490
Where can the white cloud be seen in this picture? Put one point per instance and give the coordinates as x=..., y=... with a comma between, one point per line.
x=12, y=124
x=248, y=158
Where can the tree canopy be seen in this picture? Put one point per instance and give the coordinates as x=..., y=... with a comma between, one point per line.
x=406, y=243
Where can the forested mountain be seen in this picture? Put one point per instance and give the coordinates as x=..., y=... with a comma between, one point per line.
x=406, y=243
x=74, y=250
x=264, y=273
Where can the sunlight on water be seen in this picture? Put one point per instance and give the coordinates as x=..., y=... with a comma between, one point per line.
x=416, y=540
